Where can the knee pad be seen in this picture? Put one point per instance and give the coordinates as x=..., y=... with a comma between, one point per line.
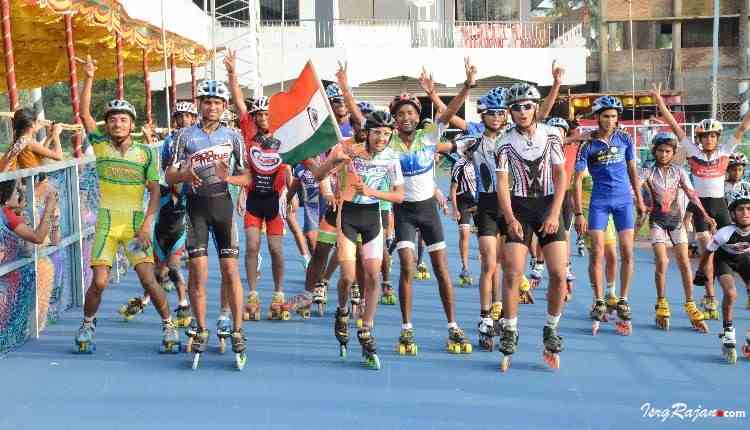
x=175, y=276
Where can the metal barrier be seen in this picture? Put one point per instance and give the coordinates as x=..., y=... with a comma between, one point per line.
x=38, y=283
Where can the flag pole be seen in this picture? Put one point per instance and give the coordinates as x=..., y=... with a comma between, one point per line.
x=328, y=102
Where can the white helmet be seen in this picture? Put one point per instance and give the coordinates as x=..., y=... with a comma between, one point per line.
x=213, y=88
x=119, y=106
x=185, y=107
x=259, y=104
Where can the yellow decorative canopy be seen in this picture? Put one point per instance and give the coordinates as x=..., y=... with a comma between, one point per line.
x=39, y=45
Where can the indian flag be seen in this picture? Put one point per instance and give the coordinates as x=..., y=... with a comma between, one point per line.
x=302, y=119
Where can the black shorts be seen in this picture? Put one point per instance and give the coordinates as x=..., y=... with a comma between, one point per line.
x=214, y=214
x=423, y=215
x=466, y=208
x=716, y=207
x=568, y=211
x=385, y=219
x=531, y=212
x=728, y=264
x=169, y=237
x=331, y=215
x=488, y=219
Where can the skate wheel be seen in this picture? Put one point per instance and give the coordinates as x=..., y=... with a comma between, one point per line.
x=413, y=349
x=222, y=345
x=360, y=323
x=401, y=349
x=466, y=348
x=240, y=359
x=623, y=328
x=701, y=326
x=373, y=362
x=196, y=360
x=746, y=351
x=454, y=348
x=189, y=345
x=730, y=355
x=285, y=316
x=342, y=352
x=505, y=363
x=595, y=328
x=552, y=360
x=245, y=316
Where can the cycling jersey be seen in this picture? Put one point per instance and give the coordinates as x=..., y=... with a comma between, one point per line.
x=385, y=205
x=530, y=160
x=417, y=161
x=607, y=162
x=484, y=159
x=203, y=150
x=709, y=169
x=372, y=170
x=464, y=176
x=666, y=187
x=264, y=193
x=732, y=187
x=732, y=247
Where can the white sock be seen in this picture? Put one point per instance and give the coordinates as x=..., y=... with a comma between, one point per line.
x=183, y=303
x=406, y=326
x=611, y=289
x=624, y=298
x=224, y=315
x=145, y=300
x=452, y=325
x=552, y=320
x=511, y=323
x=89, y=320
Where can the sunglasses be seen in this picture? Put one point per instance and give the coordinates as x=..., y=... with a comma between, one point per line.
x=517, y=107
x=495, y=112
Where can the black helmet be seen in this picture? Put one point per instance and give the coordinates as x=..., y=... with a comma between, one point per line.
x=379, y=119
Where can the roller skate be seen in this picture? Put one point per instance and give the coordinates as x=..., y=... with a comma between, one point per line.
x=320, y=297
x=388, y=297
x=611, y=301
x=696, y=317
x=302, y=304
x=279, y=310
x=534, y=278
x=198, y=345
x=746, y=346
x=132, y=308
x=496, y=311
x=598, y=315
x=223, y=331
x=355, y=300
x=341, y=330
x=581, y=247
x=182, y=316
x=406, y=344
x=238, y=347
x=486, y=329
x=170, y=343
x=526, y=292
x=570, y=279
x=508, y=346
x=553, y=346
x=457, y=341
x=85, y=338
x=728, y=345
x=663, y=313
x=623, y=326
x=190, y=332
x=369, y=355
x=252, y=307
x=422, y=273
x=465, y=279
x=710, y=308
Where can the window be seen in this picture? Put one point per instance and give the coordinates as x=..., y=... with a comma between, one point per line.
x=270, y=10
x=235, y=12
x=699, y=33
x=486, y=10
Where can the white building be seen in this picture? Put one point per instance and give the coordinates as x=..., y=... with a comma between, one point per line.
x=386, y=43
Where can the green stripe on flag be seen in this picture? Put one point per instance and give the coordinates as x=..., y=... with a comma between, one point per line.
x=323, y=139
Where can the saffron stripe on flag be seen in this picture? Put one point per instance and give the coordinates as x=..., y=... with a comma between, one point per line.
x=286, y=105
x=324, y=138
x=296, y=130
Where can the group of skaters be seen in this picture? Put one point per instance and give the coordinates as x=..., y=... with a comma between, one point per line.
x=525, y=178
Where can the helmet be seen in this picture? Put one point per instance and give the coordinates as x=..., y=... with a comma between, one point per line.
x=185, y=107
x=520, y=92
x=737, y=198
x=709, y=126
x=493, y=100
x=119, y=106
x=333, y=91
x=260, y=104
x=269, y=142
x=606, y=102
x=379, y=119
x=556, y=121
x=403, y=99
x=663, y=138
x=467, y=143
x=365, y=108
x=213, y=88
x=737, y=159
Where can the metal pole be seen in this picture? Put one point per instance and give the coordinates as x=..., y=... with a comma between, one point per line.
x=147, y=88
x=213, y=39
x=120, y=68
x=283, y=47
x=744, y=59
x=173, y=88
x=715, y=65
x=10, y=60
x=166, y=67
x=73, y=78
x=632, y=56
x=193, y=85
x=210, y=28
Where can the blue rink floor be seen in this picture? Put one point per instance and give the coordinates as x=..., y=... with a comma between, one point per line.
x=294, y=378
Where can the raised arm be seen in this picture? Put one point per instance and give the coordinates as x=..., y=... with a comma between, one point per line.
x=549, y=102
x=739, y=133
x=89, y=123
x=230, y=62
x=460, y=98
x=51, y=147
x=428, y=85
x=666, y=113
x=356, y=117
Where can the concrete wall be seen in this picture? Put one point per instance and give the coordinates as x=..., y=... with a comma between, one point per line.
x=618, y=9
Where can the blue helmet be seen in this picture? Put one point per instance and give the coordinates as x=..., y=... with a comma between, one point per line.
x=556, y=121
x=365, y=108
x=333, y=91
x=606, y=102
x=494, y=100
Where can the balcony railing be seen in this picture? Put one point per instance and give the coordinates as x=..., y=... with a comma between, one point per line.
x=396, y=33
